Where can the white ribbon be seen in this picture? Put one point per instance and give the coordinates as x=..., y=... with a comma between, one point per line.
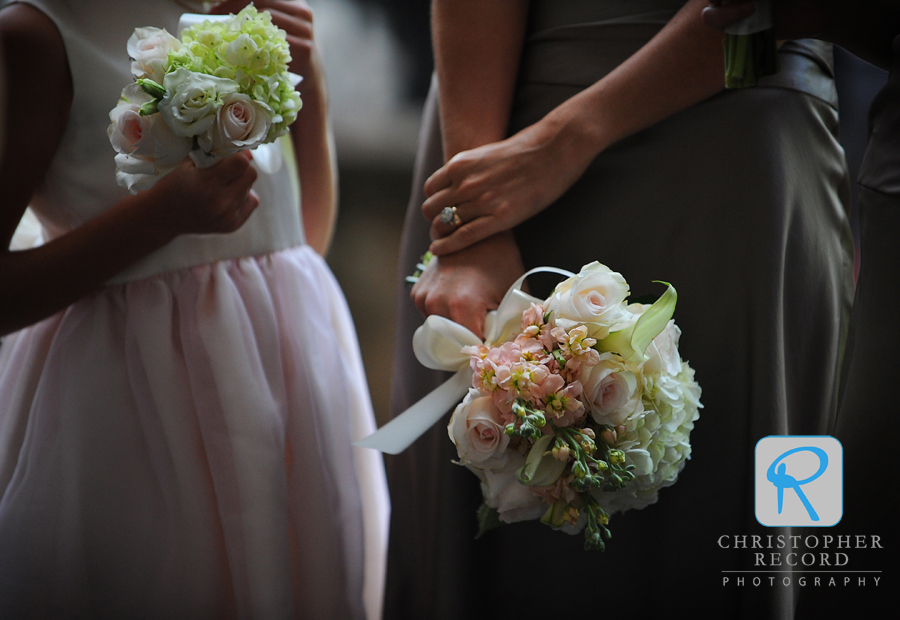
x=438, y=345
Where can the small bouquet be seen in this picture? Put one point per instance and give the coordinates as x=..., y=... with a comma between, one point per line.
x=580, y=409
x=751, y=51
x=223, y=87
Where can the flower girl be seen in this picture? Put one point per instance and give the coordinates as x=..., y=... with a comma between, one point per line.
x=180, y=381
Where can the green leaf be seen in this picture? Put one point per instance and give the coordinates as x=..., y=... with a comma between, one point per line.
x=488, y=519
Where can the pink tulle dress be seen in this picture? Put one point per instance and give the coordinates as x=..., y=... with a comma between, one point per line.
x=178, y=445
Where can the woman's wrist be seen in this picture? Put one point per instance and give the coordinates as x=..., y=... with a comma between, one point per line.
x=578, y=131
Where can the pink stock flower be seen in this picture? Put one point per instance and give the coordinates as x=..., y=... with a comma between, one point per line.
x=532, y=349
x=561, y=401
x=576, y=344
x=533, y=326
x=556, y=492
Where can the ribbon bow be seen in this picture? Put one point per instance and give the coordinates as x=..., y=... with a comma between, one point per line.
x=438, y=345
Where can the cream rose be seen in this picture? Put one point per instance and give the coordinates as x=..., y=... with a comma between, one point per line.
x=149, y=49
x=193, y=100
x=478, y=432
x=147, y=137
x=594, y=297
x=241, y=123
x=611, y=392
x=513, y=501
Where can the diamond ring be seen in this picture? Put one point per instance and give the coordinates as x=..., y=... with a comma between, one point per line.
x=450, y=216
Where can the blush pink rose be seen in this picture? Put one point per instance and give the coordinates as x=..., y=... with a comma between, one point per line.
x=477, y=429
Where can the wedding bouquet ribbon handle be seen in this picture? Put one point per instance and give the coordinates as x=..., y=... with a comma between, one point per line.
x=438, y=345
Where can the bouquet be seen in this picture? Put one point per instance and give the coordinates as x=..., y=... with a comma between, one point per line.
x=580, y=409
x=221, y=88
x=751, y=51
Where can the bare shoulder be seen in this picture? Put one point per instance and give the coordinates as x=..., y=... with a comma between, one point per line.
x=36, y=104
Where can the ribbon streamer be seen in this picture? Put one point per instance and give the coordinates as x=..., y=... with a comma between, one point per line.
x=437, y=345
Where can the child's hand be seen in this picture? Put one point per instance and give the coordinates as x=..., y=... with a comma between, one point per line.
x=218, y=199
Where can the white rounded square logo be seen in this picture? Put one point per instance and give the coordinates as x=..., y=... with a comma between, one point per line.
x=799, y=481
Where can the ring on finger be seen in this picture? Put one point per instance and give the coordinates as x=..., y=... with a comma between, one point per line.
x=449, y=215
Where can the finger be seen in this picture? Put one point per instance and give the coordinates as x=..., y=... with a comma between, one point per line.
x=292, y=25
x=463, y=212
x=723, y=16
x=437, y=181
x=231, y=167
x=243, y=181
x=433, y=206
x=468, y=314
x=419, y=295
x=297, y=9
x=228, y=6
x=466, y=235
x=251, y=201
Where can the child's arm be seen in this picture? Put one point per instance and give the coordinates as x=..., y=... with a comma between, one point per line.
x=35, y=284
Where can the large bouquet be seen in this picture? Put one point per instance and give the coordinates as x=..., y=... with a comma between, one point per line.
x=223, y=87
x=581, y=409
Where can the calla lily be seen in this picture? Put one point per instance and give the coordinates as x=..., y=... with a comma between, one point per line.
x=632, y=342
x=540, y=469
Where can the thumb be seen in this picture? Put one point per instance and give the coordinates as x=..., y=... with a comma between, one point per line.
x=228, y=6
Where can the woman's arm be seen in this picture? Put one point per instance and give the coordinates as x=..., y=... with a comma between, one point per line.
x=35, y=284
x=477, y=45
x=497, y=186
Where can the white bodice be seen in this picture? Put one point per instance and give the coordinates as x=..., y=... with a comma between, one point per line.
x=80, y=183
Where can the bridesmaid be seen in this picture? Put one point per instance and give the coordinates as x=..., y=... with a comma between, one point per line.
x=866, y=422
x=583, y=131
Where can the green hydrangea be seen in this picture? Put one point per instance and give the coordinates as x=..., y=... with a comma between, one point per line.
x=249, y=49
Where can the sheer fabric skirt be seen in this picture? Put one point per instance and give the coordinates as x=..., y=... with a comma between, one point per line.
x=180, y=446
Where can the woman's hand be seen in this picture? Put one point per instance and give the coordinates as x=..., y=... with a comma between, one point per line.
x=497, y=186
x=218, y=199
x=723, y=13
x=464, y=286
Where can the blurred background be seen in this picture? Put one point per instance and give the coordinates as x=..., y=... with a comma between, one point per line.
x=378, y=64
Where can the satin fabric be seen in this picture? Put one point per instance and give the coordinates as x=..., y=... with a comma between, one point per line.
x=867, y=421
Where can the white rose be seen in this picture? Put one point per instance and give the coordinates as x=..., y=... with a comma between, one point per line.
x=513, y=501
x=149, y=48
x=192, y=100
x=663, y=356
x=594, y=297
x=478, y=432
x=147, y=137
x=611, y=392
x=241, y=123
x=139, y=173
